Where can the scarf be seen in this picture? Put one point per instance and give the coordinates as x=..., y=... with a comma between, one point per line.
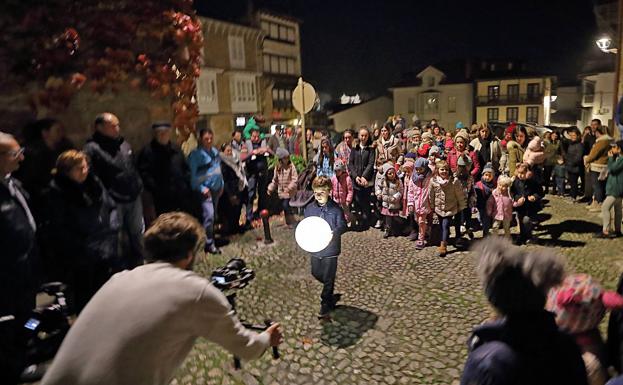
x=418, y=178
x=233, y=162
x=487, y=187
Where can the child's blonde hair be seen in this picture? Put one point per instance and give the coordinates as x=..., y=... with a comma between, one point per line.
x=322, y=182
x=504, y=181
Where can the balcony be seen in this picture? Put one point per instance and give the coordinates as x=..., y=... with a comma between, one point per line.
x=509, y=99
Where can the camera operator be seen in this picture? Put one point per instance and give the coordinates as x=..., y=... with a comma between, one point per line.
x=141, y=324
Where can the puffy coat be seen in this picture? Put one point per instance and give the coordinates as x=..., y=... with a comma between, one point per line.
x=500, y=206
x=598, y=156
x=534, y=154
x=284, y=181
x=342, y=190
x=390, y=150
x=515, y=156
x=361, y=163
x=333, y=214
x=113, y=163
x=525, y=188
x=419, y=195
x=446, y=196
x=453, y=157
x=573, y=157
x=614, y=184
x=391, y=194
x=552, y=150
x=205, y=170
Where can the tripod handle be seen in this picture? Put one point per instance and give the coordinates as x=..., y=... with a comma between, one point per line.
x=276, y=354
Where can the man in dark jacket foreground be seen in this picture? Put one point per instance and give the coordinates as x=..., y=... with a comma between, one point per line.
x=324, y=262
x=525, y=345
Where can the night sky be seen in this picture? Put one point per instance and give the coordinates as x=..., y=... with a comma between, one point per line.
x=365, y=46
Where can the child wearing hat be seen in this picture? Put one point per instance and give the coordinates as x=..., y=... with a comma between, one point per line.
x=418, y=200
x=466, y=179
x=284, y=183
x=427, y=142
x=391, y=200
x=484, y=188
x=560, y=172
x=500, y=206
x=342, y=190
x=527, y=195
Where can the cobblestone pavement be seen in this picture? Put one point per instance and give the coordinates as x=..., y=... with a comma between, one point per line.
x=405, y=315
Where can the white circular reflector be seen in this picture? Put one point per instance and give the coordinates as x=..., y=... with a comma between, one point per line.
x=313, y=234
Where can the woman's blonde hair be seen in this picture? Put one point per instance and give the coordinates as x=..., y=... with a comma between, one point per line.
x=68, y=160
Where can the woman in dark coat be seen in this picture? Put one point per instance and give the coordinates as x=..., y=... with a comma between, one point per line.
x=235, y=190
x=80, y=228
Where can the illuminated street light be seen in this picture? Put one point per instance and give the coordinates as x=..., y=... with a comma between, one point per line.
x=604, y=45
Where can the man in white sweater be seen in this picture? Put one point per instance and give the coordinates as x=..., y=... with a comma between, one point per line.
x=141, y=324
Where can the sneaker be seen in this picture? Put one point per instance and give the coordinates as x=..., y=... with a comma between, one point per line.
x=419, y=245
x=595, y=209
x=213, y=249
x=378, y=224
x=324, y=313
x=336, y=298
x=601, y=235
x=386, y=235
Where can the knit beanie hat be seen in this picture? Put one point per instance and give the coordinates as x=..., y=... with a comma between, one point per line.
x=511, y=128
x=462, y=134
x=427, y=136
x=408, y=164
x=580, y=303
x=459, y=125
x=421, y=162
x=282, y=153
x=433, y=150
x=385, y=167
x=488, y=168
x=339, y=165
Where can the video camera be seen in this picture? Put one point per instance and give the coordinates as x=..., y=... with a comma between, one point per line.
x=236, y=275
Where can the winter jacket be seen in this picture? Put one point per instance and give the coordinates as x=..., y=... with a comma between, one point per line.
x=19, y=255
x=166, y=176
x=423, y=150
x=525, y=188
x=524, y=349
x=552, y=150
x=614, y=184
x=500, y=206
x=534, y=154
x=342, y=190
x=391, y=194
x=361, y=163
x=495, y=151
x=560, y=171
x=452, y=158
x=333, y=214
x=515, y=156
x=113, y=163
x=277, y=141
x=419, y=195
x=342, y=152
x=574, y=162
x=483, y=192
x=390, y=150
x=598, y=156
x=446, y=196
x=284, y=181
x=205, y=170
x=255, y=164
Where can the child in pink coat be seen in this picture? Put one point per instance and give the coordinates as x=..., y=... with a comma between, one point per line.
x=342, y=190
x=500, y=206
x=418, y=200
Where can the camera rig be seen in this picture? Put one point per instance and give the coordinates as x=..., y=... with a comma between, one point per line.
x=235, y=276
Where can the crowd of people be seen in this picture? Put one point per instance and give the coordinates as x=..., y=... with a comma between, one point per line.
x=79, y=216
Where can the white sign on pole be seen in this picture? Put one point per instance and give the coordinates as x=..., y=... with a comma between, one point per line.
x=303, y=97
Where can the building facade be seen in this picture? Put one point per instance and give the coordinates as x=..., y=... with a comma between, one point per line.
x=230, y=88
x=281, y=62
x=432, y=94
x=514, y=98
x=356, y=115
x=597, y=97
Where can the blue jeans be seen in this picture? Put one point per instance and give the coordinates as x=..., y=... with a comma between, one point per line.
x=599, y=187
x=131, y=218
x=560, y=185
x=445, y=228
x=208, y=207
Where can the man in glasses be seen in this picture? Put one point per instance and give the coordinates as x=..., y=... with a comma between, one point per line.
x=17, y=281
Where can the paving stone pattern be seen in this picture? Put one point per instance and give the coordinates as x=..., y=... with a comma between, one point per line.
x=404, y=317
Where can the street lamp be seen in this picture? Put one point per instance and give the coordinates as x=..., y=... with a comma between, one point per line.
x=604, y=45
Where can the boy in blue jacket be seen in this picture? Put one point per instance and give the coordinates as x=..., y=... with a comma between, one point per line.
x=324, y=262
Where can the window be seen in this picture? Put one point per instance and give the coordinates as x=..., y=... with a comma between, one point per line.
x=236, y=52
x=291, y=69
x=513, y=92
x=274, y=31
x=283, y=34
x=283, y=65
x=411, y=105
x=279, y=31
x=512, y=114
x=291, y=35
x=451, y=103
x=532, y=114
x=266, y=27
x=279, y=64
x=274, y=65
x=207, y=96
x=492, y=114
x=275, y=94
x=430, y=81
x=533, y=90
x=493, y=92
x=288, y=95
x=266, y=63
x=243, y=95
x=430, y=103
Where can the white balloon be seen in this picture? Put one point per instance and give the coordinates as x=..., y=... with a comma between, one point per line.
x=313, y=234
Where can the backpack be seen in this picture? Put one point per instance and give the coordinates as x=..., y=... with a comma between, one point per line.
x=304, y=193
